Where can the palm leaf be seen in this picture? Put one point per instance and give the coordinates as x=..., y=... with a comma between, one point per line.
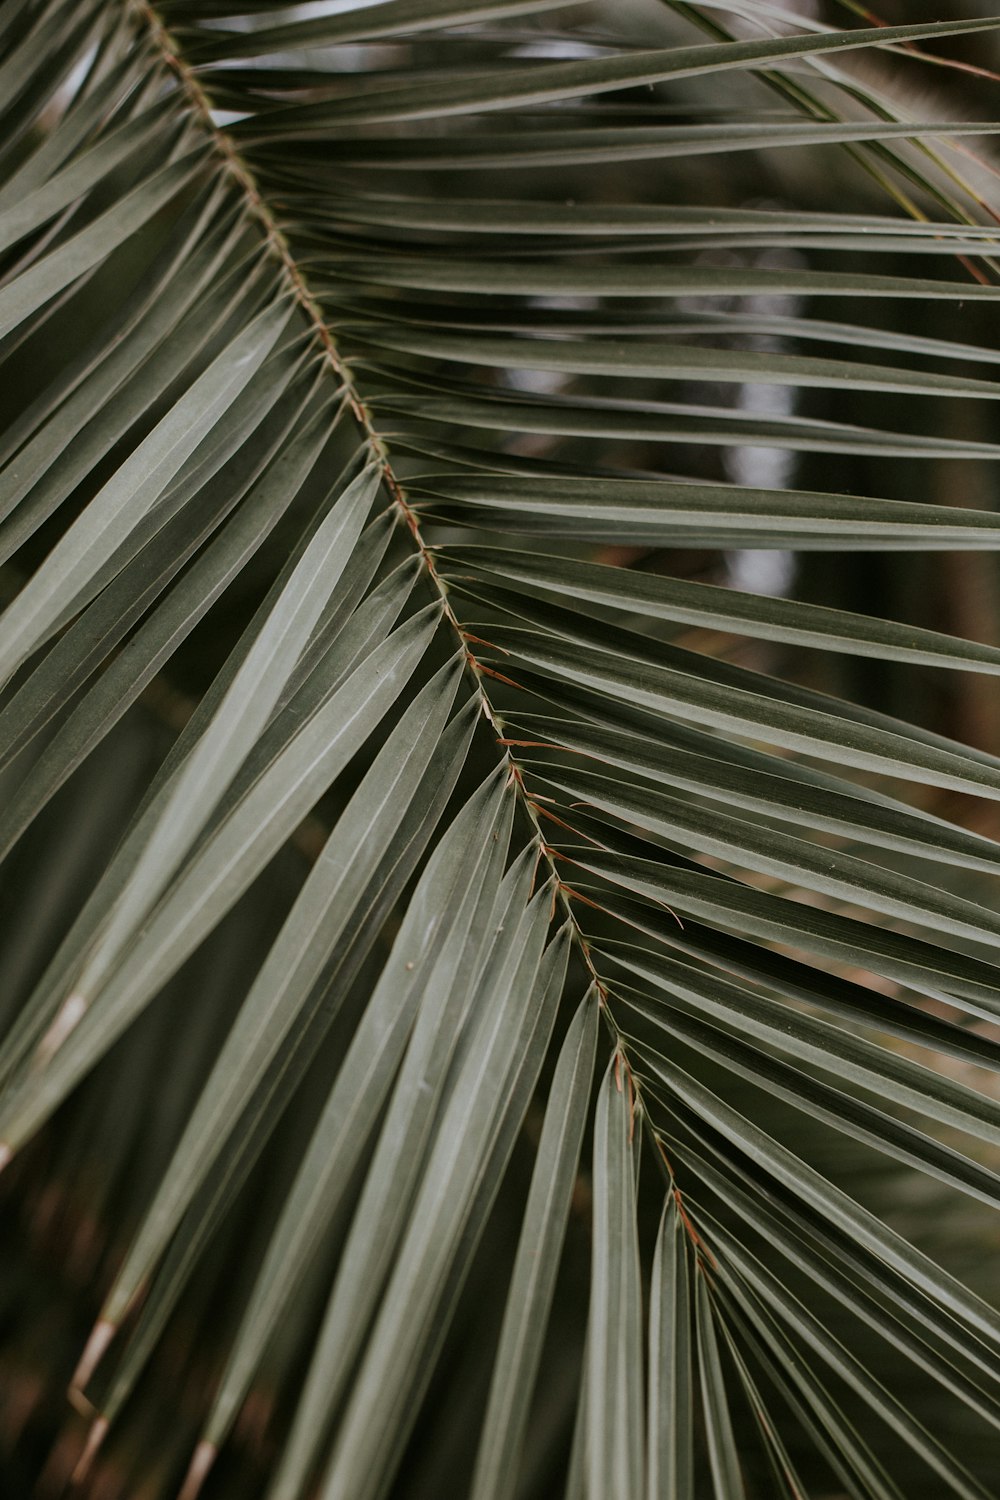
x=330, y=792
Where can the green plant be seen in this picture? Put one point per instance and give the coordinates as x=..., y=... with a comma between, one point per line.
x=397, y=850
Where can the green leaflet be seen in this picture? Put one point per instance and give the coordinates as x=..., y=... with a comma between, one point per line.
x=786, y=798
x=942, y=973
x=55, y=455
x=796, y=981
x=568, y=147
x=33, y=288
x=465, y=862
x=782, y=1467
x=737, y=710
x=723, y=1455
x=30, y=75
x=319, y=915
x=814, y=1404
x=545, y=279
x=240, y=717
x=817, y=1193
x=632, y=359
x=670, y=1446
x=368, y=24
x=150, y=646
x=528, y=216
x=47, y=599
x=614, y=727
x=86, y=112
x=532, y=1284
x=797, y=862
x=852, y=1058
x=785, y=620
x=834, y=1107
x=225, y=866
x=860, y=1284
x=664, y=511
x=615, y=1398
x=215, y=1197
x=489, y=1046
x=522, y=1082
x=661, y=421
x=475, y=964
x=557, y=81
x=504, y=1057
x=59, y=975
x=949, y=1470
x=33, y=210
x=643, y=650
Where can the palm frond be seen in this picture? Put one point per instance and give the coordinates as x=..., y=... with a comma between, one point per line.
x=514, y=978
